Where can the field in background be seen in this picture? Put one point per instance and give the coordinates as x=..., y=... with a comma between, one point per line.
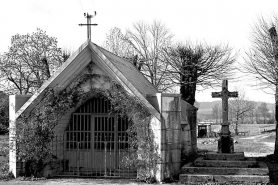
x=251, y=145
x=251, y=128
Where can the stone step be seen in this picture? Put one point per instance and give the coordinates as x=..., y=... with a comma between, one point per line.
x=245, y=179
x=215, y=163
x=225, y=156
x=224, y=171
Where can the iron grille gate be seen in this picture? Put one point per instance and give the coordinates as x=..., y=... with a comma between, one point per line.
x=94, y=145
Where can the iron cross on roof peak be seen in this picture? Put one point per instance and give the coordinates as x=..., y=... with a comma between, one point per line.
x=86, y=15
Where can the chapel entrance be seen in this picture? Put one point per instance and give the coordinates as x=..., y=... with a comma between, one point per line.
x=96, y=142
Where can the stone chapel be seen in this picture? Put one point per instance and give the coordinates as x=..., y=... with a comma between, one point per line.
x=81, y=147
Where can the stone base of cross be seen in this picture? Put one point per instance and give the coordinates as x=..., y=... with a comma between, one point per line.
x=225, y=142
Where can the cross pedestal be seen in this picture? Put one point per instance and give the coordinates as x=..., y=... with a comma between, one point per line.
x=226, y=142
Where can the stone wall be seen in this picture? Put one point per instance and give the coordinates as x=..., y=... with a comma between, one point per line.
x=168, y=133
x=15, y=103
x=188, y=130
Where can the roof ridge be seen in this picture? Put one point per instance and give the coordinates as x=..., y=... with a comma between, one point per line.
x=126, y=61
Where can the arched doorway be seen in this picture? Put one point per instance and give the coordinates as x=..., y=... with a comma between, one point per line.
x=96, y=141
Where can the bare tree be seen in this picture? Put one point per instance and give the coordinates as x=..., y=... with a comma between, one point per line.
x=4, y=113
x=31, y=60
x=116, y=43
x=144, y=45
x=262, y=60
x=264, y=112
x=215, y=112
x=200, y=65
x=239, y=107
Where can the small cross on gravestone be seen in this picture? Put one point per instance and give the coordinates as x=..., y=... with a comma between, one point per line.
x=225, y=143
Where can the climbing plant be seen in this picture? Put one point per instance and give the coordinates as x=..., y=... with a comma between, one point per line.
x=35, y=129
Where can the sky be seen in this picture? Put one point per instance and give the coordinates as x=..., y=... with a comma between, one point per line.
x=211, y=21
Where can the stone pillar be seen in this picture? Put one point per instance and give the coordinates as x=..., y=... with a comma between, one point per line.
x=189, y=137
x=15, y=103
x=167, y=133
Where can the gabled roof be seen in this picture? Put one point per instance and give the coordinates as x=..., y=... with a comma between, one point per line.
x=116, y=67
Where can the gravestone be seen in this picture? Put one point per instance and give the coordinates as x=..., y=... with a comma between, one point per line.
x=225, y=143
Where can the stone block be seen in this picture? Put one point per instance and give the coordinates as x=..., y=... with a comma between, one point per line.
x=185, y=127
x=174, y=118
x=230, y=179
x=224, y=171
x=185, y=136
x=225, y=156
x=155, y=100
x=188, y=150
x=194, y=179
x=218, y=163
x=176, y=156
x=247, y=179
x=226, y=144
x=170, y=102
x=176, y=136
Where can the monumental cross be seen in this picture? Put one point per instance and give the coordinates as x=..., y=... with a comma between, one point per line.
x=225, y=143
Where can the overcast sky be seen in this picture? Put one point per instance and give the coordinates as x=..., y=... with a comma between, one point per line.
x=211, y=21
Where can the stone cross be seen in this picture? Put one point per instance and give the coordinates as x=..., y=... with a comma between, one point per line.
x=225, y=144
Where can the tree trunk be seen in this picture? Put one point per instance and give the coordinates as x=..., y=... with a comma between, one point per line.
x=236, y=130
x=273, y=35
x=188, y=93
x=188, y=83
x=276, y=120
x=46, y=68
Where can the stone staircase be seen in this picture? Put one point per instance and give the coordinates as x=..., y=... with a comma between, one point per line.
x=222, y=168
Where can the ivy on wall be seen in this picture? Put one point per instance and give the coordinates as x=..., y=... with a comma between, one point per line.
x=35, y=129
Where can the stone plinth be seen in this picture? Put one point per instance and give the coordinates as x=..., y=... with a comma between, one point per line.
x=226, y=144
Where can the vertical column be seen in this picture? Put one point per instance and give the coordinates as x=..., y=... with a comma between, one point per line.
x=225, y=123
x=12, y=132
x=167, y=133
x=15, y=103
x=171, y=114
x=189, y=126
x=157, y=127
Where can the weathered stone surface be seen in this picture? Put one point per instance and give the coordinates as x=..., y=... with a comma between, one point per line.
x=226, y=144
x=228, y=169
x=224, y=171
x=224, y=163
x=235, y=179
x=224, y=156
